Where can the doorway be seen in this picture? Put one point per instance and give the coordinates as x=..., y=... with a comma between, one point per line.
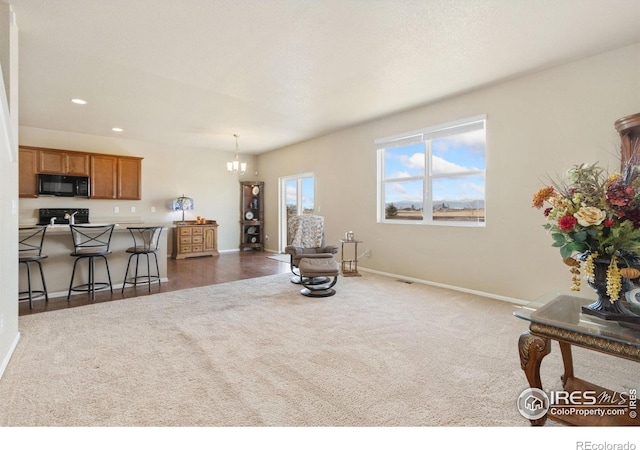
x=296, y=197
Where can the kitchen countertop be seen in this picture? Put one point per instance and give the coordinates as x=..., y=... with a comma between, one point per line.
x=64, y=228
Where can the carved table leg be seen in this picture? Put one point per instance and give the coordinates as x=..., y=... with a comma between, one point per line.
x=567, y=360
x=532, y=350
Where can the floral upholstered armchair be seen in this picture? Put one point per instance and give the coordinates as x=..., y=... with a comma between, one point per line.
x=306, y=240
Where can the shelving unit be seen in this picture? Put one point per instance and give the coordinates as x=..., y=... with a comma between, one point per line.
x=252, y=215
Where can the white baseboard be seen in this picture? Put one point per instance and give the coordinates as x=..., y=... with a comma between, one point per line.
x=515, y=301
x=5, y=361
x=236, y=250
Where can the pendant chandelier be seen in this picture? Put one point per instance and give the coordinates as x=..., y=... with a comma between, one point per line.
x=236, y=166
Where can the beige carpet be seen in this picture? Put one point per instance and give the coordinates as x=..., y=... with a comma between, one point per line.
x=256, y=352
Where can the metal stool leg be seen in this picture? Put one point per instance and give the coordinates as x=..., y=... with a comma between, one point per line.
x=148, y=273
x=30, y=291
x=32, y=294
x=92, y=281
x=147, y=279
x=90, y=286
x=157, y=268
x=44, y=283
x=126, y=273
x=106, y=262
x=73, y=274
x=135, y=276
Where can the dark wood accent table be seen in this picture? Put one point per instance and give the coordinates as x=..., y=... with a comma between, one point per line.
x=559, y=318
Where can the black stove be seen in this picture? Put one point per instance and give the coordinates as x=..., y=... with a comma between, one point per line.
x=46, y=214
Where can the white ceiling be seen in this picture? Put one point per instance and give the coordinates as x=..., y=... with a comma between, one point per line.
x=195, y=72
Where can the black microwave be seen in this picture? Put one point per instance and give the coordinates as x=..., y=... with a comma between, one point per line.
x=63, y=185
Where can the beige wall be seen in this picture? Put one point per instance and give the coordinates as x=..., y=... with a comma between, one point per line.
x=9, y=335
x=536, y=125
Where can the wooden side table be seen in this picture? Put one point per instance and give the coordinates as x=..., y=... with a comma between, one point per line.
x=559, y=318
x=350, y=266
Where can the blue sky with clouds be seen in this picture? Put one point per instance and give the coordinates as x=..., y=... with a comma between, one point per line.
x=291, y=188
x=451, y=156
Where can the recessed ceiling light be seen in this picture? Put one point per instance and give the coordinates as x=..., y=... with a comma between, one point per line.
x=79, y=101
x=118, y=130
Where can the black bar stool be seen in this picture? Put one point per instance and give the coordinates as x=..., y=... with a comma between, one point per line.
x=145, y=242
x=30, y=251
x=91, y=242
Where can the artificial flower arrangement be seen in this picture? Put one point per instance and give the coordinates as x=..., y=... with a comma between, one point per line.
x=594, y=216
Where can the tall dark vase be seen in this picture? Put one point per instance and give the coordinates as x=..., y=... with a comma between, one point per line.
x=603, y=307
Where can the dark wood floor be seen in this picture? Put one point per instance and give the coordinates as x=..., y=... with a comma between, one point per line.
x=182, y=274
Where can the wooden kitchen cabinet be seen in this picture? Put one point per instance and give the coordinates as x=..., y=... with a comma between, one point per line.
x=116, y=177
x=129, y=178
x=103, y=176
x=77, y=164
x=28, y=172
x=192, y=240
x=111, y=176
x=63, y=162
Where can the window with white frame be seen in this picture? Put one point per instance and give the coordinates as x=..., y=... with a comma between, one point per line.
x=434, y=176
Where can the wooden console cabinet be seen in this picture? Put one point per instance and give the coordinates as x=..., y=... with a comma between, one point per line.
x=193, y=240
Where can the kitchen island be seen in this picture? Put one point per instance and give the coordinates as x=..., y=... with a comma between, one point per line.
x=58, y=246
